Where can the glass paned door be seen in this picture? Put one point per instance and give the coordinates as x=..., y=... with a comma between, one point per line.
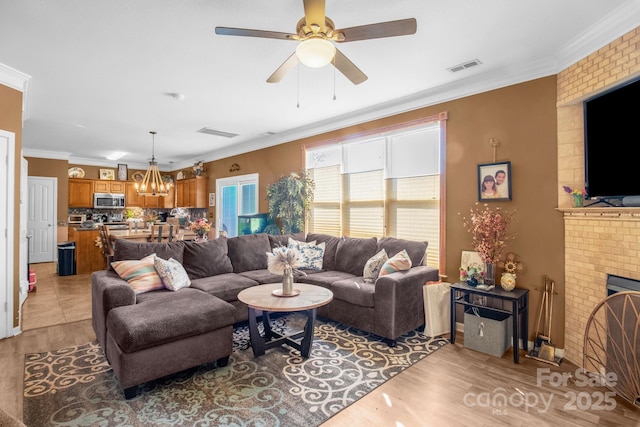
x=235, y=196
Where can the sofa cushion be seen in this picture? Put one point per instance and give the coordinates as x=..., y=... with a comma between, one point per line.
x=169, y=317
x=172, y=273
x=373, y=265
x=204, y=259
x=249, y=252
x=398, y=262
x=283, y=239
x=353, y=253
x=416, y=250
x=262, y=276
x=355, y=291
x=331, y=245
x=224, y=286
x=324, y=278
x=123, y=249
x=141, y=274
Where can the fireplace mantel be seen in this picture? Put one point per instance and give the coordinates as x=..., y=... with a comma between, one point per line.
x=602, y=212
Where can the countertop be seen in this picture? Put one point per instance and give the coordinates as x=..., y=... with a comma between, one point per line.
x=145, y=233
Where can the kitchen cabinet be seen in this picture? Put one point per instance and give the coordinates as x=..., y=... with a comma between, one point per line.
x=105, y=186
x=170, y=199
x=89, y=257
x=134, y=200
x=80, y=193
x=131, y=196
x=192, y=192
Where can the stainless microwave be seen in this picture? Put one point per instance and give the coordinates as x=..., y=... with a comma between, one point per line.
x=108, y=201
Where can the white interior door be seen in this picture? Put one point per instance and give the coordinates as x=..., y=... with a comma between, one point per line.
x=7, y=231
x=41, y=218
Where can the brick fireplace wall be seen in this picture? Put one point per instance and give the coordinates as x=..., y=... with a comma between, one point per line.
x=598, y=241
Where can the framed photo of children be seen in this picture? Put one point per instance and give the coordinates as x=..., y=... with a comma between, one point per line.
x=494, y=181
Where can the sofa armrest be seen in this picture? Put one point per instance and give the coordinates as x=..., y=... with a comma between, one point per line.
x=399, y=301
x=108, y=291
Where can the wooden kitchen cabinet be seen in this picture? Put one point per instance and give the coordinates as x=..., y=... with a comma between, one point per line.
x=132, y=199
x=88, y=256
x=80, y=193
x=192, y=192
x=105, y=186
x=170, y=199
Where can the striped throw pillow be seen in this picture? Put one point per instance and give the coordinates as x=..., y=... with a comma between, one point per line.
x=398, y=262
x=140, y=274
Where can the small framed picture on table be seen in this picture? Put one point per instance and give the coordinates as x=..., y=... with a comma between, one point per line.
x=123, y=172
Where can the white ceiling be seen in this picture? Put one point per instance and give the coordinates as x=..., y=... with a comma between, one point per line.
x=102, y=72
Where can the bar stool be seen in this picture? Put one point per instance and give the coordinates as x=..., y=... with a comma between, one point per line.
x=156, y=230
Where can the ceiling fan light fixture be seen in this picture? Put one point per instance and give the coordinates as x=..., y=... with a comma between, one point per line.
x=315, y=52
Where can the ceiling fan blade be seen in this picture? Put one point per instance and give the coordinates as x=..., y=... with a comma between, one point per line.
x=314, y=13
x=349, y=69
x=402, y=27
x=226, y=31
x=282, y=70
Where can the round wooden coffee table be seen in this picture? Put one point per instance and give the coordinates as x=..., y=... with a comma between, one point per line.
x=261, y=299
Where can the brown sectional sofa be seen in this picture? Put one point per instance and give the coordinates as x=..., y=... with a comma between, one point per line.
x=149, y=335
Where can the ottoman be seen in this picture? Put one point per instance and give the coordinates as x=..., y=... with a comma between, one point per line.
x=162, y=336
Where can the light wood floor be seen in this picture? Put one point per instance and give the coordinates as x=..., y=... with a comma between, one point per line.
x=454, y=386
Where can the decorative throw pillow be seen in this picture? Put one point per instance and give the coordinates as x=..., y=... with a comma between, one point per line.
x=311, y=256
x=373, y=266
x=297, y=244
x=140, y=274
x=398, y=262
x=172, y=273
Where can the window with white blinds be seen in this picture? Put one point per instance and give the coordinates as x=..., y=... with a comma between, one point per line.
x=383, y=186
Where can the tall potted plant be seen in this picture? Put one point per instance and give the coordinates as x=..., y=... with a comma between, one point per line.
x=289, y=201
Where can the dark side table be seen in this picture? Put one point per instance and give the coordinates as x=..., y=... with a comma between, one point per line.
x=519, y=301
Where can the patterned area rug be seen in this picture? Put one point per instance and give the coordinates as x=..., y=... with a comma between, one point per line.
x=76, y=387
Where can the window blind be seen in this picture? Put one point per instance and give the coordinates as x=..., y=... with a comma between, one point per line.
x=384, y=186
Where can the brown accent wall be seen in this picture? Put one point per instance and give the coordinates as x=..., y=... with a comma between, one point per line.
x=11, y=120
x=523, y=119
x=54, y=169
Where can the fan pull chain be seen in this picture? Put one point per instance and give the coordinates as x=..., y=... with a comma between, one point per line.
x=334, y=78
x=298, y=84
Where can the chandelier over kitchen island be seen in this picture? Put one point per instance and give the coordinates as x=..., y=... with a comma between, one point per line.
x=152, y=184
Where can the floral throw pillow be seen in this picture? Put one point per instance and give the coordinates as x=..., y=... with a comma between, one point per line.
x=140, y=274
x=297, y=244
x=172, y=273
x=373, y=266
x=398, y=262
x=311, y=256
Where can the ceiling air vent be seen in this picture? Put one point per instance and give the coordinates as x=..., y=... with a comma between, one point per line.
x=215, y=132
x=464, y=65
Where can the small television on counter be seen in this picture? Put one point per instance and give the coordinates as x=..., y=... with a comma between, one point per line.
x=611, y=136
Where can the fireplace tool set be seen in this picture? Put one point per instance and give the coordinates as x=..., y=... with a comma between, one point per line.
x=543, y=350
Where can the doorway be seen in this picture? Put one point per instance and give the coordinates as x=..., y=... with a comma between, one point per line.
x=41, y=218
x=7, y=223
x=235, y=196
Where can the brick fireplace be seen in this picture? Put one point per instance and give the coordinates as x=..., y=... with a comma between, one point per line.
x=598, y=241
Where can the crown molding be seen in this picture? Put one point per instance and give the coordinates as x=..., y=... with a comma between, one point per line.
x=45, y=154
x=17, y=80
x=609, y=28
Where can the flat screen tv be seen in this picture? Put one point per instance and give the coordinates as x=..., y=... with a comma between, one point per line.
x=611, y=138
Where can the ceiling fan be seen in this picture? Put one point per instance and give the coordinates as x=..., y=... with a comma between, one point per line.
x=316, y=34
